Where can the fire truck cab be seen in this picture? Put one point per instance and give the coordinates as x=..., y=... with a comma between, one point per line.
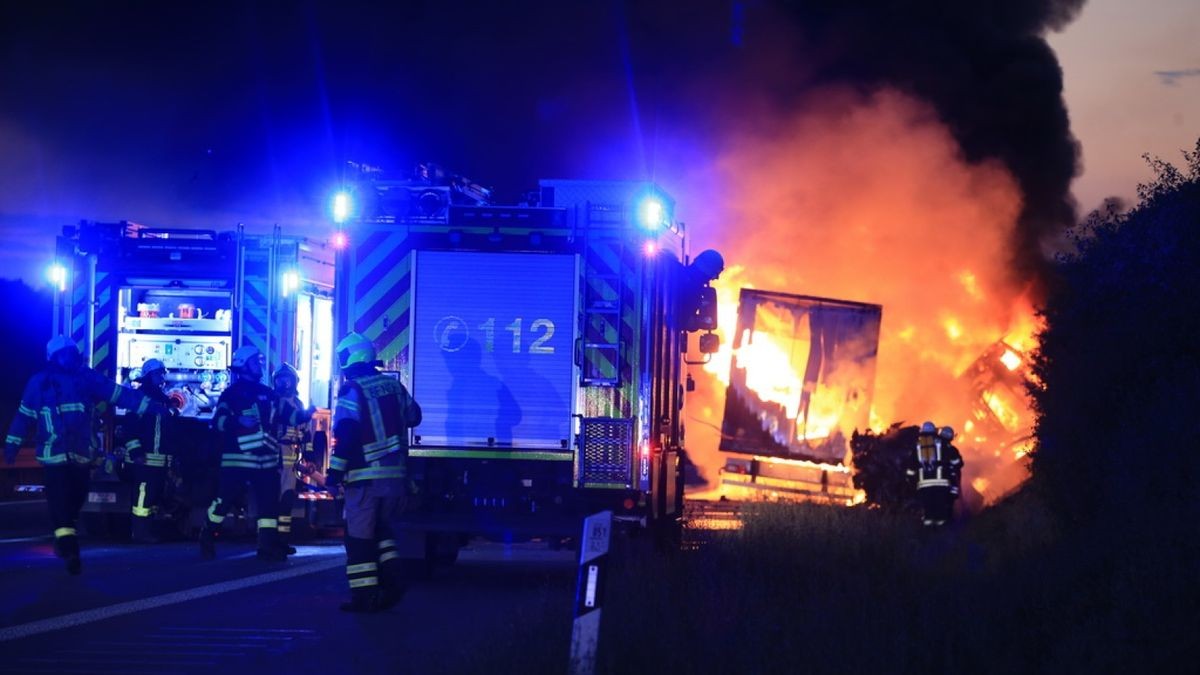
x=545, y=343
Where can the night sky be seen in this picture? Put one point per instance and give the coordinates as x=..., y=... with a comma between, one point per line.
x=180, y=114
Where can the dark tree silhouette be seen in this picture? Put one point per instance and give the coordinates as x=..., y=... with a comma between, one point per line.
x=1118, y=391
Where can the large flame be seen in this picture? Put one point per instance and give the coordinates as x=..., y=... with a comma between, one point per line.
x=869, y=199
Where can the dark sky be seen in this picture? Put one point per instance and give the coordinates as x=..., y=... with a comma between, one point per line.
x=209, y=114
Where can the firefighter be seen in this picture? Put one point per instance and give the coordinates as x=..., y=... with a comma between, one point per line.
x=58, y=409
x=370, y=427
x=246, y=418
x=292, y=439
x=147, y=452
x=954, y=462
x=931, y=466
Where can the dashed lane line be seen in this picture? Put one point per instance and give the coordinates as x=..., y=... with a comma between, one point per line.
x=120, y=609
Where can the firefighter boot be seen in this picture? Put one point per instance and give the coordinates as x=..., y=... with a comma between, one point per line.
x=393, y=582
x=67, y=548
x=208, y=545
x=362, y=573
x=269, y=546
x=143, y=532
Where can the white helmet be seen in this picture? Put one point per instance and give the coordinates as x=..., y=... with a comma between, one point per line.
x=150, y=366
x=244, y=355
x=59, y=343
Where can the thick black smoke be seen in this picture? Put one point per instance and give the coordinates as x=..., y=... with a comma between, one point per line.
x=983, y=65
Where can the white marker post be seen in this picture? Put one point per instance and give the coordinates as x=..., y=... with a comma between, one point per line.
x=589, y=592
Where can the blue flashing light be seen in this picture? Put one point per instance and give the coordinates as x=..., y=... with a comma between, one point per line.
x=290, y=282
x=342, y=206
x=57, y=275
x=651, y=213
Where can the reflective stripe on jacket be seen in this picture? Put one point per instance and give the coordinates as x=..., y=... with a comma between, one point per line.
x=57, y=410
x=382, y=411
x=256, y=447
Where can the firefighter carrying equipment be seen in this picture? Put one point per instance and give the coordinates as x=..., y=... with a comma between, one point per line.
x=370, y=426
x=946, y=434
x=936, y=463
x=928, y=428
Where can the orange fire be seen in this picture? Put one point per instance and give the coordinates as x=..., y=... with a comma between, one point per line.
x=869, y=199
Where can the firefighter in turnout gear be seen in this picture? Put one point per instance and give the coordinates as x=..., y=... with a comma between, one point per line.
x=955, y=462
x=246, y=418
x=147, y=452
x=935, y=466
x=292, y=439
x=370, y=425
x=58, y=409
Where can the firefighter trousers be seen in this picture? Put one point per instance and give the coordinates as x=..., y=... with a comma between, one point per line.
x=287, y=496
x=66, y=491
x=936, y=503
x=264, y=485
x=149, y=483
x=374, y=569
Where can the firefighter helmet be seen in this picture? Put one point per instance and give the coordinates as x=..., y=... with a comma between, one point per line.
x=928, y=428
x=288, y=370
x=58, y=344
x=150, y=366
x=355, y=348
x=947, y=433
x=244, y=355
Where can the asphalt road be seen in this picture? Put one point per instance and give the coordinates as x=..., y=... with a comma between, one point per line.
x=161, y=609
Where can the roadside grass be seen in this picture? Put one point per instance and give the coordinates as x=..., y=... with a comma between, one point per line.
x=818, y=589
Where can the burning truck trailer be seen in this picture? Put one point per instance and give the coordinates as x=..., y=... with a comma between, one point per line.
x=801, y=381
x=126, y=293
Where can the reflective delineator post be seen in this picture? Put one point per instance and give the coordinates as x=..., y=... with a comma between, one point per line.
x=589, y=592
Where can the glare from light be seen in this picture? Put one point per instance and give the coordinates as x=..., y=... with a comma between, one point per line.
x=57, y=274
x=651, y=213
x=1010, y=359
x=340, y=241
x=341, y=207
x=650, y=248
x=290, y=282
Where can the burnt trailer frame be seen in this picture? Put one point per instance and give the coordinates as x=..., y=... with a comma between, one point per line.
x=738, y=435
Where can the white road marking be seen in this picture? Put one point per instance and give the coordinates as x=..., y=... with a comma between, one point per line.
x=18, y=540
x=120, y=609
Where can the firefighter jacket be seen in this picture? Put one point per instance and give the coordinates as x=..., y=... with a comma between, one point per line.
x=153, y=435
x=370, y=426
x=292, y=437
x=935, y=463
x=255, y=446
x=58, y=409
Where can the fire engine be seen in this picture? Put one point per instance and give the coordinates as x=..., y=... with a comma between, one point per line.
x=189, y=297
x=545, y=342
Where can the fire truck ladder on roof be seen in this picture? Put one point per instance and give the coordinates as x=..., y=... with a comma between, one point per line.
x=604, y=253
